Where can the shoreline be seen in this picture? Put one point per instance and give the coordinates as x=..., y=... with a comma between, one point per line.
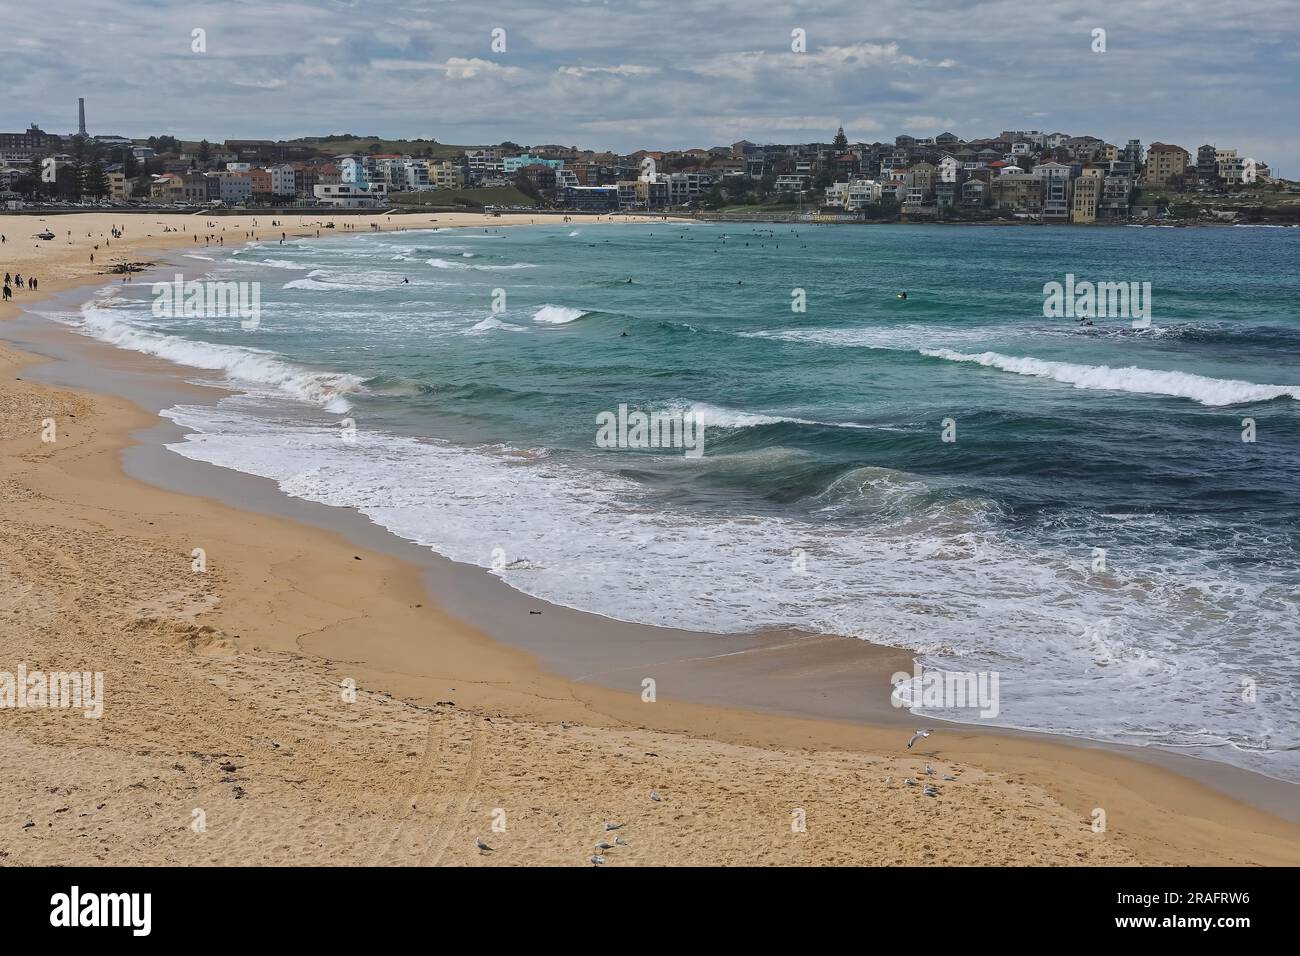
x=534, y=680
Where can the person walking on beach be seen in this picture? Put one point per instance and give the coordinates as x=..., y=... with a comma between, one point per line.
x=31, y=284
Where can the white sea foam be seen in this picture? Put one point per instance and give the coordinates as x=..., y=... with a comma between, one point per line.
x=716, y=416
x=944, y=582
x=448, y=264
x=325, y=280
x=492, y=323
x=276, y=264
x=557, y=314
x=242, y=366
x=1199, y=388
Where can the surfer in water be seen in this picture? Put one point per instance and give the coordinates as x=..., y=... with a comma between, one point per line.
x=902, y=295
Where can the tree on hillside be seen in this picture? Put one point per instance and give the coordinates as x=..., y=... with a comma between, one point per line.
x=164, y=144
x=68, y=181
x=205, y=151
x=527, y=187
x=94, y=182
x=34, y=174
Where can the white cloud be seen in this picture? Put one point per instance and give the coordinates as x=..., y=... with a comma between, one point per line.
x=621, y=70
x=1182, y=71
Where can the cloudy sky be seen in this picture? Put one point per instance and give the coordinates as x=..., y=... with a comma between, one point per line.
x=628, y=74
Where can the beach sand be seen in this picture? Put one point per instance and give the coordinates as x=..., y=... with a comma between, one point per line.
x=229, y=735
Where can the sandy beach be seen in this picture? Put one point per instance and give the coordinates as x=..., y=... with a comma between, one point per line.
x=231, y=733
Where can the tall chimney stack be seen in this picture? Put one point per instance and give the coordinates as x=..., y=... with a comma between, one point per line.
x=81, y=115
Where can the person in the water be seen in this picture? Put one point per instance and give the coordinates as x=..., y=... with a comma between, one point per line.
x=902, y=295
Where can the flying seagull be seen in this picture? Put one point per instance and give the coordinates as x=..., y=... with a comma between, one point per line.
x=917, y=736
x=482, y=847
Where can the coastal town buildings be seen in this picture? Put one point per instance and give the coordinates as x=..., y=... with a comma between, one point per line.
x=1028, y=175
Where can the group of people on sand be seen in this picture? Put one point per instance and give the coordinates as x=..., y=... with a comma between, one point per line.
x=16, y=281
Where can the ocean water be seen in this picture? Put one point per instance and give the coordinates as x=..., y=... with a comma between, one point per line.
x=826, y=498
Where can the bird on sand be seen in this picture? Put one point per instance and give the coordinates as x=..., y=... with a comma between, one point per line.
x=613, y=826
x=597, y=860
x=917, y=736
x=602, y=846
x=482, y=847
x=654, y=795
x=619, y=841
x=930, y=792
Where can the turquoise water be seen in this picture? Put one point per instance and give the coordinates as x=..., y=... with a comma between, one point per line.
x=826, y=497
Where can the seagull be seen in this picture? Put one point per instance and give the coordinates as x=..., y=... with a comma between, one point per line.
x=613, y=826
x=654, y=795
x=929, y=770
x=602, y=846
x=910, y=782
x=949, y=778
x=889, y=780
x=930, y=792
x=917, y=736
x=597, y=860
x=619, y=841
x=482, y=847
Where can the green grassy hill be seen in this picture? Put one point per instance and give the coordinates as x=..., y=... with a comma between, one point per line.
x=415, y=147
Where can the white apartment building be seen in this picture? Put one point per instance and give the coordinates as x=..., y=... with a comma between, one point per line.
x=1229, y=165
x=282, y=180
x=235, y=189
x=854, y=195
x=351, y=195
